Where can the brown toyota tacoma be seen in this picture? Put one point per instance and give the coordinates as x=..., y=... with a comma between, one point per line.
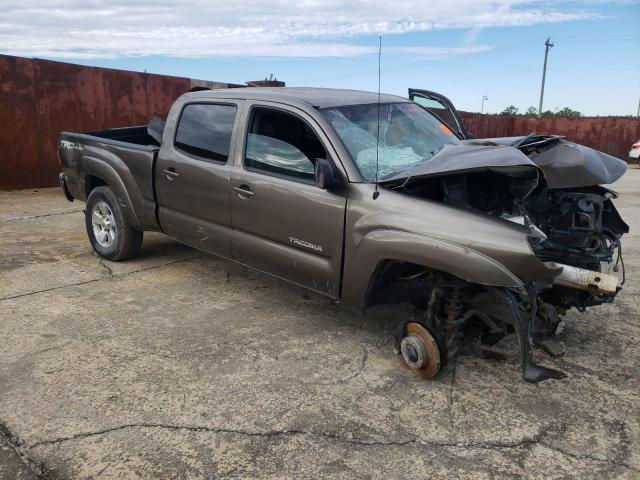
x=367, y=199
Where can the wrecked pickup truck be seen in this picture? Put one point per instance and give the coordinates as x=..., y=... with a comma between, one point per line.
x=368, y=200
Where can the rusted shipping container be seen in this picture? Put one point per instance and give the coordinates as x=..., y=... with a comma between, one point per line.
x=40, y=98
x=612, y=135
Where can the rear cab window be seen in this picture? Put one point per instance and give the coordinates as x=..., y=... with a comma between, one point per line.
x=282, y=144
x=204, y=131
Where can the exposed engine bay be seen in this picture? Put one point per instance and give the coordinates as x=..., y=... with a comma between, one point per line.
x=575, y=229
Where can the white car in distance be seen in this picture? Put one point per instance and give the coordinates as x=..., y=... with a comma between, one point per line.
x=634, y=153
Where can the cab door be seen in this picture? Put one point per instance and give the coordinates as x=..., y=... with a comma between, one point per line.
x=283, y=223
x=441, y=107
x=192, y=175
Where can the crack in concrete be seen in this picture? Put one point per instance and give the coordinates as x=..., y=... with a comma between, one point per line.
x=103, y=265
x=8, y=439
x=537, y=439
x=361, y=369
x=250, y=433
x=586, y=456
x=29, y=217
x=112, y=275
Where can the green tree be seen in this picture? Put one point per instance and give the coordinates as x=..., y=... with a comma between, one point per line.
x=568, y=112
x=510, y=110
x=531, y=111
x=548, y=113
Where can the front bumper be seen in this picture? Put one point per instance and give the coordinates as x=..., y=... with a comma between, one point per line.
x=588, y=280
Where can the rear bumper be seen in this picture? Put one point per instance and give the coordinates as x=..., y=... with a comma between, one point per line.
x=63, y=185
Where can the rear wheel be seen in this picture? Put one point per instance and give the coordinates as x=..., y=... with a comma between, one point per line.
x=110, y=235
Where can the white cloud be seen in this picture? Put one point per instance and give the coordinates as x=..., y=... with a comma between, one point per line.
x=280, y=28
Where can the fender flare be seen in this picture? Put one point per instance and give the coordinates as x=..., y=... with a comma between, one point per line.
x=431, y=252
x=99, y=168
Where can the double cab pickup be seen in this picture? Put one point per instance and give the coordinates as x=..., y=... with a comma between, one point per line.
x=367, y=199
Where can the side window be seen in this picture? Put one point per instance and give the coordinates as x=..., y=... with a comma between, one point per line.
x=204, y=130
x=281, y=143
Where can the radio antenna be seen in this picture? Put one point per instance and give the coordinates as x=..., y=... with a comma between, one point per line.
x=376, y=193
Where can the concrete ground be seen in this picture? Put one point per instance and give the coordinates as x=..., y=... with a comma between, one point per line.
x=179, y=365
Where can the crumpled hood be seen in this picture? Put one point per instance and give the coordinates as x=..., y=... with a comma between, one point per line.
x=466, y=157
x=564, y=164
x=568, y=164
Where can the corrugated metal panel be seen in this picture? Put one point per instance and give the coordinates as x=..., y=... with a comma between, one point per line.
x=40, y=98
x=612, y=135
x=18, y=128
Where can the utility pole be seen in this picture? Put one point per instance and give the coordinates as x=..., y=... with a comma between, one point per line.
x=547, y=46
x=484, y=97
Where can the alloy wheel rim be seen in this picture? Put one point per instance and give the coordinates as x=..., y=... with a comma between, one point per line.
x=104, y=225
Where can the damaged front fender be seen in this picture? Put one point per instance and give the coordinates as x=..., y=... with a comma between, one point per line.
x=469, y=245
x=388, y=245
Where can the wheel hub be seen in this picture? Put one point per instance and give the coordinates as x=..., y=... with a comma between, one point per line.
x=420, y=350
x=414, y=351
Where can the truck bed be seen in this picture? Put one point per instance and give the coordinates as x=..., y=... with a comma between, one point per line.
x=124, y=157
x=134, y=135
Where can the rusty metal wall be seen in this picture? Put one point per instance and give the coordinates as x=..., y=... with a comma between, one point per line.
x=40, y=98
x=612, y=135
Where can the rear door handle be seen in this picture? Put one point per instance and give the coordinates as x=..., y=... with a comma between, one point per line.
x=170, y=173
x=243, y=191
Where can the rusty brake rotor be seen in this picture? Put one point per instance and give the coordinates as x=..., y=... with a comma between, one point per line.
x=420, y=350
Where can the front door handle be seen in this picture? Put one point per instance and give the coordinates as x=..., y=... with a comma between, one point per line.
x=170, y=173
x=243, y=191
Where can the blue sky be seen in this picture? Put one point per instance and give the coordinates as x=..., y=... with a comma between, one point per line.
x=464, y=49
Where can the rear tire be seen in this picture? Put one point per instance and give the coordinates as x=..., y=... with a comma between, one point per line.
x=111, y=236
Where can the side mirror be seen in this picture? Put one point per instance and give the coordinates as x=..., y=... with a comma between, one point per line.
x=324, y=173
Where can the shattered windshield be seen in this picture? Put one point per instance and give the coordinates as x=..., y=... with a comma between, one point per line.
x=408, y=136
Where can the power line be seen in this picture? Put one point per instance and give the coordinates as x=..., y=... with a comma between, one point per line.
x=421, y=62
x=418, y=62
x=594, y=68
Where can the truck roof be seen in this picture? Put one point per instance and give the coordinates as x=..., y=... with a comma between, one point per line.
x=315, y=97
